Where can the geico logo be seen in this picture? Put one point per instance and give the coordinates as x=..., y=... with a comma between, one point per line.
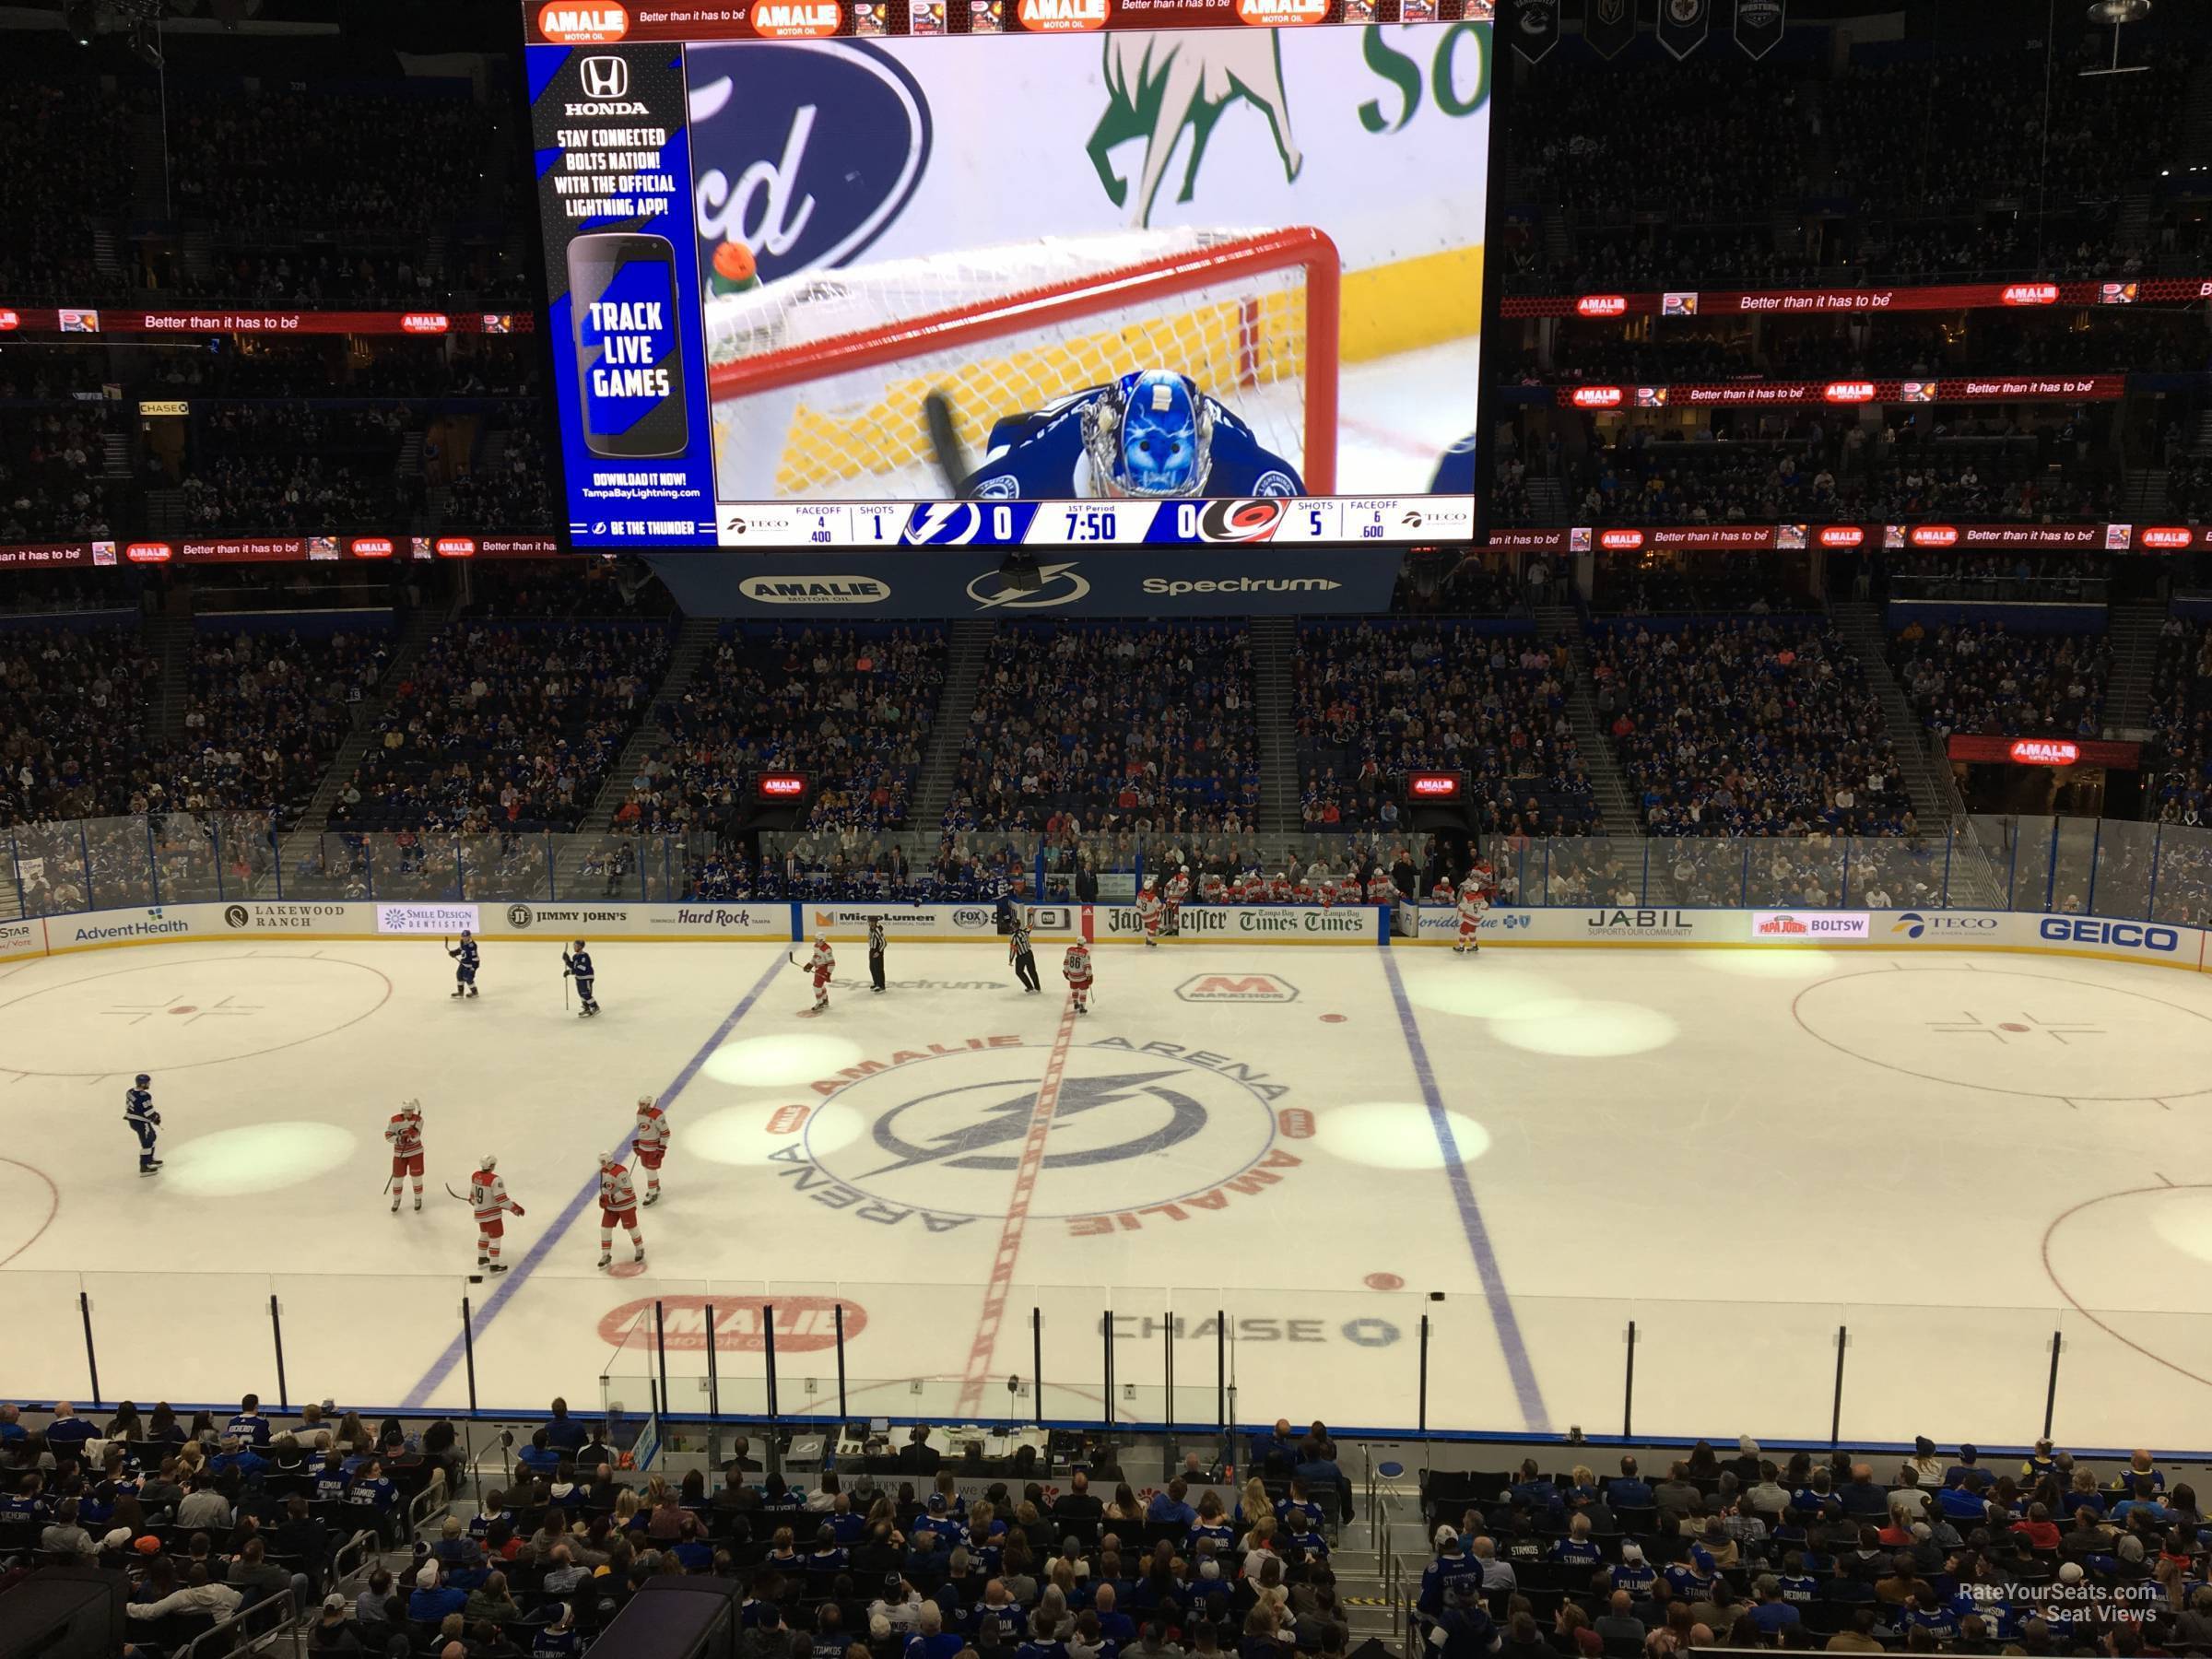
x=2128, y=936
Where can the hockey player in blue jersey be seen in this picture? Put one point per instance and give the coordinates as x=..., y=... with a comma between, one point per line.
x=1455, y=469
x=465, y=955
x=139, y=1113
x=577, y=964
x=1152, y=434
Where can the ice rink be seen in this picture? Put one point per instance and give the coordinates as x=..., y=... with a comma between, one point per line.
x=1951, y=1156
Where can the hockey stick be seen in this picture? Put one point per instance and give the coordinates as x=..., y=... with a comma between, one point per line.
x=944, y=446
x=450, y=1192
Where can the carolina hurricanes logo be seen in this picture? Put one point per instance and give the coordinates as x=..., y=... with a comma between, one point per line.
x=1247, y=520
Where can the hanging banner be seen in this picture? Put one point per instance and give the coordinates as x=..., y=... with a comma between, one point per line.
x=1608, y=25
x=1789, y=302
x=1759, y=25
x=1683, y=25
x=1535, y=27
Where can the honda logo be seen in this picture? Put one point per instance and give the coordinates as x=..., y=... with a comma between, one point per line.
x=604, y=78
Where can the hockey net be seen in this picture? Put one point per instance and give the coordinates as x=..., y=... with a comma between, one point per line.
x=818, y=380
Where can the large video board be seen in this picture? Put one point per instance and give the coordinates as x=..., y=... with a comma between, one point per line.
x=1045, y=271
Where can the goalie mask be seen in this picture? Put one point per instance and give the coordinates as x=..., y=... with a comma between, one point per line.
x=1149, y=434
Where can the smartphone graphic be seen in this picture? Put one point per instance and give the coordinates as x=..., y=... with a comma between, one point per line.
x=629, y=365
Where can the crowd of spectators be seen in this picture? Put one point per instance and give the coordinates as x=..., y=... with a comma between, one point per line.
x=76, y=708
x=1981, y=677
x=1759, y=726
x=2046, y=577
x=515, y=493
x=2180, y=725
x=1081, y=728
x=1372, y=702
x=51, y=461
x=505, y=725
x=850, y=706
x=265, y=713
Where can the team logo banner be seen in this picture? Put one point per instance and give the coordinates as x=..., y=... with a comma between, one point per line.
x=1535, y=27
x=1759, y=25
x=1683, y=25
x=1608, y=25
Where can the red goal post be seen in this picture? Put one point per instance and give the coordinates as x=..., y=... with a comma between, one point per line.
x=1300, y=254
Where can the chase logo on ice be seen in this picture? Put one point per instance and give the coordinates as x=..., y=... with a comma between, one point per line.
x=803, y=150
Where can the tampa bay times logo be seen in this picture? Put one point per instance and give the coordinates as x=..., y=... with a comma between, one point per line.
x=933, y=1136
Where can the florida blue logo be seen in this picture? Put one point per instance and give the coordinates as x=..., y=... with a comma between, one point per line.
x=805, y=150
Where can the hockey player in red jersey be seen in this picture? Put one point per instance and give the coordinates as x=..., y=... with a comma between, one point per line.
x=1178, y=894
x=652, y=1144
x=821, y=965
x=404, y=1133
x=617, y=1208
x=1279, y=890
x=1379, y=890
x=1147, y=912
x=1076, y=966
x=488, y=1196
x=1472, y=905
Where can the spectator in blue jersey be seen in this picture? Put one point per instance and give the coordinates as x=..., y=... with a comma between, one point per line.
x=1532, y=1487
x=1577, y=1548
x=1317, y=1467
x=2142, y=1500
x=1967, y=1471
x=1464, y=1628
x=564, y=1434
x=538, y=1456
x=1276, y=1451
x=1861, y=1498
x=1628, y=1489
x=240, y=1455
x=1451, y=1567
x=1770, y=1611
x=66, y=1435
x=248, y=1425
x=1170, y=1505
x=2139, y=1467
x=430, y=1601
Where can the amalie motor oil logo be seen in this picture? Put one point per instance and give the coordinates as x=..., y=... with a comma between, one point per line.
x=802, y=1325
x=793, y=19
x=1281, y=14
x=1060, y=17
x=572, y=24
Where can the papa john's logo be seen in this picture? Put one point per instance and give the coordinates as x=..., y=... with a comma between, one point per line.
x=943, y=1136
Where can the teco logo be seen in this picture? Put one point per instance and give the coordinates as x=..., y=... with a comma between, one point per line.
x=456, y=547
x=783, y=785
x=2045, y=751
x=1934, y=536
x=1281, y=14
x=1841, y=536
x=149, y=553
x=1437, y=786
x=372, y=546
x=1062, y=17
x=1597, y=398
x=1620, y=541
x=424, y=323
x=1602, y=305
x=604, y=77
x=779, y=20
x=582, y=25
x=1849, y=391
x=2031, y=293
x=2167, y=537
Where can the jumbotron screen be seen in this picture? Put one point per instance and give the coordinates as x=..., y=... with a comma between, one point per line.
x=885, y=272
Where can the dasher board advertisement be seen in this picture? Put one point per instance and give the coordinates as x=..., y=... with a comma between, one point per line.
x=1046, y=272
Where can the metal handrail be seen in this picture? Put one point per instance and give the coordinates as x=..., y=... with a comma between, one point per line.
x=283, y=1600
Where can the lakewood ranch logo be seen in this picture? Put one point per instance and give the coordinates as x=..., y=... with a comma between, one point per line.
x=1135, y=1135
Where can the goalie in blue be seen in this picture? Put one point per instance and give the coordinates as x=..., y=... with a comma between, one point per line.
x=1152, y=434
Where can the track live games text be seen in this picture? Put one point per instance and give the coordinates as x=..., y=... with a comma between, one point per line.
x=1020, y=276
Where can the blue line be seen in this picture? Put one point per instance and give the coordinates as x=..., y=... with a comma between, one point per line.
x=442, y=1367
x=1470, y=1215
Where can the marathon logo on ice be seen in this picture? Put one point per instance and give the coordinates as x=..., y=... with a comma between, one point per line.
x=1237, y=988
x=800, y=188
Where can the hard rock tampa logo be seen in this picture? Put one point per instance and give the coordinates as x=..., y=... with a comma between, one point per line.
x=1133, y=1136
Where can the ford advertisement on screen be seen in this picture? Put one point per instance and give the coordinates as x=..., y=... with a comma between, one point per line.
x=995, y=272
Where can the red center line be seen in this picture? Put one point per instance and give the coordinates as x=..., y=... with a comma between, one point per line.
x=1018, y=1215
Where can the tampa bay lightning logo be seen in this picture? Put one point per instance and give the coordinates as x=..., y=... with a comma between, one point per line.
x=1116, y=1129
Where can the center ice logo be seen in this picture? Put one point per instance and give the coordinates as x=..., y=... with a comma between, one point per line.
x=1129, y=1133
x=806, y=151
